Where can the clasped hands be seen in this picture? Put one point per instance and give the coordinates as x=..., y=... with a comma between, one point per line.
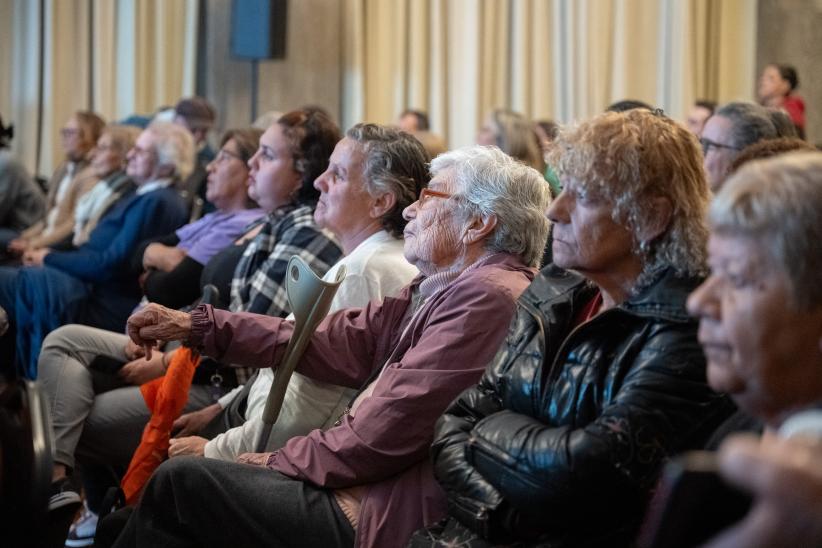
x=156, y=323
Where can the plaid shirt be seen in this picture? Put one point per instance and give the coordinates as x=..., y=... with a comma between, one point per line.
x=258, y=285
x=259, y=280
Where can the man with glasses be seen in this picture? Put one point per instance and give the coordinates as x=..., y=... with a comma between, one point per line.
x=94, y=283
x=732, y=127
x=71, y=180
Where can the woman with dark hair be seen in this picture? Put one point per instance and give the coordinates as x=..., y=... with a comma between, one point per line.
x=776, y=90
x=293, y=152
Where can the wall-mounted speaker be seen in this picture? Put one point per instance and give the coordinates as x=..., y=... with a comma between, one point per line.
x=258, y=28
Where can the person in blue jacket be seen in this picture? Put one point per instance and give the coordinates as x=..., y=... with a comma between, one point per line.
x=95, y=284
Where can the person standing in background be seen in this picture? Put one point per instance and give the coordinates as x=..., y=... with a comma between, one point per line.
x=776, y=90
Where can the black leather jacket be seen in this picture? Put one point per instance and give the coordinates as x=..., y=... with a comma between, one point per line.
x=561, y=441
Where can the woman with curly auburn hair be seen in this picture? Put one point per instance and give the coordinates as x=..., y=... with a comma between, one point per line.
x=650, y=171
x=601, y=377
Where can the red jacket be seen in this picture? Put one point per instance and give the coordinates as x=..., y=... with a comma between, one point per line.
x=444, y=350
x=795, y=107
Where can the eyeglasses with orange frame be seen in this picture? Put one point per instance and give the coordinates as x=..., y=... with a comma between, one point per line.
x=427, y=192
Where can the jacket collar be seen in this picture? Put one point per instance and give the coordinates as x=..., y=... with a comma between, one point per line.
x=664, y=296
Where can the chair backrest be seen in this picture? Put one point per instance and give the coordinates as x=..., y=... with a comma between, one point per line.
x=25, y=476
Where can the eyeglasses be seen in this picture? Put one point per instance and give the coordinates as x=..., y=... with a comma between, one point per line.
x=427, y=192
x=69, y=131
x=225, y=155
x=707, y=145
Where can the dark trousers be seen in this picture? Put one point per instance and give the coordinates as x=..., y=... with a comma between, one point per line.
x=194, y=501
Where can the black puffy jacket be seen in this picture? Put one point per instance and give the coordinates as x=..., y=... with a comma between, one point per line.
x=561, y=441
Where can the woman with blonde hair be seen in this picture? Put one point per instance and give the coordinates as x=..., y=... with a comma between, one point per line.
x=514, y=134
x=108, y=163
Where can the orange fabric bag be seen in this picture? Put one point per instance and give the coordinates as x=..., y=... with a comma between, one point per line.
x=165, y=397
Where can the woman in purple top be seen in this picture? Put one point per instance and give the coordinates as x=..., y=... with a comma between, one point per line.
x=174, y=261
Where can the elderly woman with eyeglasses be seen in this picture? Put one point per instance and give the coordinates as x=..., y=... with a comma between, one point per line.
x=174, y=260
x=476, y=235
x=601, y=377
x=71, y=180
x=108, y=163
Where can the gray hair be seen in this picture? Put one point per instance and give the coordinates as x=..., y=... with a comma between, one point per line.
x=174, y=146
x=782, y=123
x=395, y=163
x=750, y=123
x=491, y=182
x=777, y=201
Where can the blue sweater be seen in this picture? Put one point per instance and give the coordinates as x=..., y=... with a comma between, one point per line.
x=103, y=261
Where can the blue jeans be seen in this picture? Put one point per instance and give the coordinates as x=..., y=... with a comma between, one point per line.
x=38, y=300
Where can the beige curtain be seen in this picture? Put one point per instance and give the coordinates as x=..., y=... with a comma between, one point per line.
x=559, y=59
x=116, y=57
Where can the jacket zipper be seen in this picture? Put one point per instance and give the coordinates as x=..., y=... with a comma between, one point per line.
x=554, y=369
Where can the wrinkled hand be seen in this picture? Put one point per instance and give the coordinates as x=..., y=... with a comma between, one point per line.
x=158, y=323
x=191, y=445
x=785, y=478
x=34, y=257
x=193, y=422
x=141, y=371
x=255, y=459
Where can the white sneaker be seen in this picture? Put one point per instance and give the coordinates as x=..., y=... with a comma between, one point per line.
x=82, y=531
